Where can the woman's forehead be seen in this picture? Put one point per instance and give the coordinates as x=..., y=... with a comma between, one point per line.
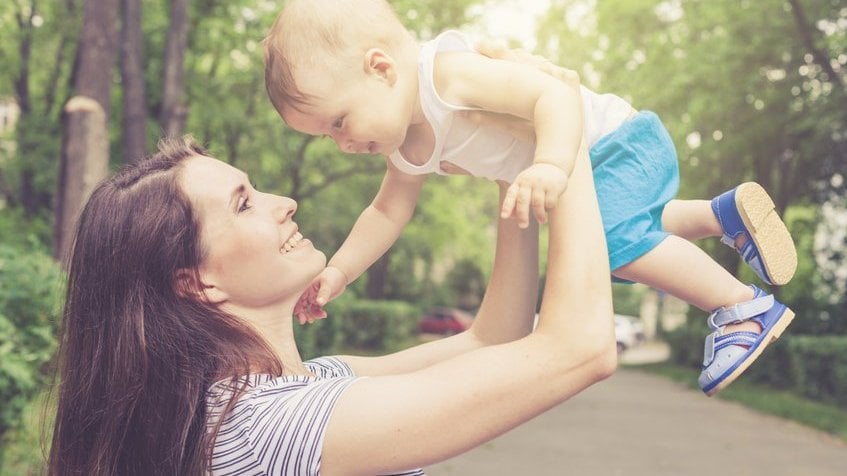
x=206, y=179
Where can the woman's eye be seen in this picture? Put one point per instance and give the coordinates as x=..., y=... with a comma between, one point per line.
x=339, y=123
x=244, y=206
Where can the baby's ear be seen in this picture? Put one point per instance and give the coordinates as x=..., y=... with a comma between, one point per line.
x=381, y=64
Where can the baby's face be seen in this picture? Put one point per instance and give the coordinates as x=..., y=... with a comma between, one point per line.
x=363, y=113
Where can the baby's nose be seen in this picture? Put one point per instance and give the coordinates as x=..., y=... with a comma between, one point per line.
x=349, y=147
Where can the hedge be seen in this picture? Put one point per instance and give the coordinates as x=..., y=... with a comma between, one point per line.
x=813, y=366
x=379, y=325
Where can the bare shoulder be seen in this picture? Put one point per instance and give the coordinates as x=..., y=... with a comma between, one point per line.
x=455, y=72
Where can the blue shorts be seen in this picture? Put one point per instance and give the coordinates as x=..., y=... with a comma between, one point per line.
x=636, y=173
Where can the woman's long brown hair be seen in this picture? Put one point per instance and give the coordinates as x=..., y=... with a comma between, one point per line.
x=138, y=352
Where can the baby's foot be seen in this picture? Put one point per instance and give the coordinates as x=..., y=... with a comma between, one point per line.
x=753, y=325
x=751, y=225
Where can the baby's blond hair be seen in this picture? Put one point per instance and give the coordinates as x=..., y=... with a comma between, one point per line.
x=324, y=34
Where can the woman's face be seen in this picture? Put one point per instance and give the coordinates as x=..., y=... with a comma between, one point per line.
x=254, y=254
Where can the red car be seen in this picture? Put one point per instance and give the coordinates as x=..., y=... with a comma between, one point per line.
x=444, y=321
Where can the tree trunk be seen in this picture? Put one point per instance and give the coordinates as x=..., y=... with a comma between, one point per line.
x=132, y=79
x=84, y=163
x=96, y=53
x=173, y=113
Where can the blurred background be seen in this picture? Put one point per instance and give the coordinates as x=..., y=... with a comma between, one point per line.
x=750, y=90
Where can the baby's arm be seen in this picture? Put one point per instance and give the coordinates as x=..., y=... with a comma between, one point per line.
x=554, y=107
x=376, y=229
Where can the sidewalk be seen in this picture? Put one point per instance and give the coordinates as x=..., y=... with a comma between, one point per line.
x=638, y=424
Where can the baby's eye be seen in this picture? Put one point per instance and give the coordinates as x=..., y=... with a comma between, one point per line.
x=339, y=123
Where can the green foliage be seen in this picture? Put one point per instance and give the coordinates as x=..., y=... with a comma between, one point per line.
x=360, y=325
x=686, y=343
x=743, y=97
x=30, y=293
x=25, y=447
x=378, y=325
x=820, y=365
x=324, y=336
x=627, y=298
x=813, y=366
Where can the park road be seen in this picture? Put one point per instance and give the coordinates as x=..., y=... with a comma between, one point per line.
x=638, y=424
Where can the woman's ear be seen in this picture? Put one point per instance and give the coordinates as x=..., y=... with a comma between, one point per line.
x=188, y=285
x=381, y=64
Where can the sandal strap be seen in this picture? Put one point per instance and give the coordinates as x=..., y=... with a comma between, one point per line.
x=715, y=342
x=740, y=312
x=748, y=251
x=728, y=240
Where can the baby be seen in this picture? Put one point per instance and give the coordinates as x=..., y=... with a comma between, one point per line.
x=348, y=69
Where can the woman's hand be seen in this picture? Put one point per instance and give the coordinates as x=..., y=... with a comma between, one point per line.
x=518, y=127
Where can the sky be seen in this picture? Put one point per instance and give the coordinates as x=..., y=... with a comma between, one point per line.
x=505, y=20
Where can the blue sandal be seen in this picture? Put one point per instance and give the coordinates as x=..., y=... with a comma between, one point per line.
x=748, y=211
x=726, y=356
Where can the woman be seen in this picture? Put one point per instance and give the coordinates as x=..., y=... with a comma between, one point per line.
x=178, y=357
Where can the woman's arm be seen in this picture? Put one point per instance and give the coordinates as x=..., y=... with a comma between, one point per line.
x=390, y=423
x=516, y=256
x=503, y=317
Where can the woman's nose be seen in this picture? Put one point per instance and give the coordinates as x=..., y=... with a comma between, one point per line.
x=284, y=208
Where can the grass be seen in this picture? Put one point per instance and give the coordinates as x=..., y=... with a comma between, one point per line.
x=764, y=399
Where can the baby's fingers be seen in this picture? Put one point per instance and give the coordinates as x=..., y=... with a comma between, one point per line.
x=522, y=206
x=539, y=205
x=508, y=206
x=323, y=293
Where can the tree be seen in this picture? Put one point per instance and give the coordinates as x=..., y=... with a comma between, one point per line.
x=173, y=113
x=132, y=80
x=96, y=52
x=85, y=145
x=37, y=82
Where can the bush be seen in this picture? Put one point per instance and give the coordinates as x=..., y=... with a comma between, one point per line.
x=359, y=324
x=377, y=325
x=820, y=367
x=813, y=366
x=324, y=336
x=686, y=343
x=30, y=299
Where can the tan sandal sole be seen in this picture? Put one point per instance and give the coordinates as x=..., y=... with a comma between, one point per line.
x=769, y=233
x=773, y=335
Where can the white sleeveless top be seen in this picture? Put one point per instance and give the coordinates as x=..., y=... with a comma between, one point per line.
x=487, y=151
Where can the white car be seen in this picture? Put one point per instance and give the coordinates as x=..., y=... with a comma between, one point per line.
x=629, y=331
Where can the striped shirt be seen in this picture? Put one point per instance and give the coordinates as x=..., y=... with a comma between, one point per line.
x=277, y=427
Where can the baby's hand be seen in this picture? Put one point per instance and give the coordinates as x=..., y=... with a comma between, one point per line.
x=326, y=286
x=307, y=309
x=538, y=187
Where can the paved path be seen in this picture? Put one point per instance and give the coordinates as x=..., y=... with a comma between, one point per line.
x=636, y=424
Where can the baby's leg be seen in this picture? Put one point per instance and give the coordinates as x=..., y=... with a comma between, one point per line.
x=694, y=220
x=744, y=319
x=680, y=268
x=746, y=219
x=691, y=219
